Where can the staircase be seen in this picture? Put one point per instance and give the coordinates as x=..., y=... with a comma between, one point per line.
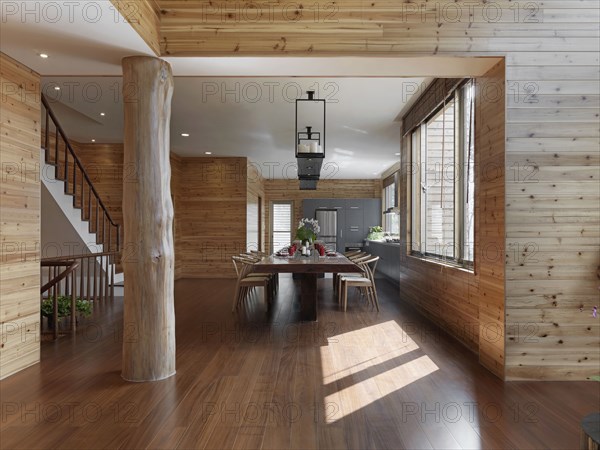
x=97, y=271
x=59, y=153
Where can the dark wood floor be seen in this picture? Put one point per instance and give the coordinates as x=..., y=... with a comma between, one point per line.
x=359, y=379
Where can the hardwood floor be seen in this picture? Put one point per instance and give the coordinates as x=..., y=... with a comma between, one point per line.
x=359, y=379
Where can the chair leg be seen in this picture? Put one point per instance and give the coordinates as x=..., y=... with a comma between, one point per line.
x=345, y=290
x=375, y=297
x=236, y=297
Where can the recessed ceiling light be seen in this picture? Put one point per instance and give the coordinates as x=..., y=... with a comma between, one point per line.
x=208, y=153
x=43, y=55
x=93, y=140
x=57, y=88
x=397, y=153
x=185, y=134
x=102, y=114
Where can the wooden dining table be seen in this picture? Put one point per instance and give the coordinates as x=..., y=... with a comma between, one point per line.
x=308, y=269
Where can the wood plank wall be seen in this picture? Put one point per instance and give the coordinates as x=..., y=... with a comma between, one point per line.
x=256, y=191
x=468, y=305
x=20, y=216
x=551, y=50
x=278, y=189
x=211, y=216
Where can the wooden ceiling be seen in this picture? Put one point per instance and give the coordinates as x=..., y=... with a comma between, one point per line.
x=201, y=28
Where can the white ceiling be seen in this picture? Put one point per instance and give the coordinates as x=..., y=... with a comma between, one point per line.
x=81, y=38
x=252, y=117
x=86, y=41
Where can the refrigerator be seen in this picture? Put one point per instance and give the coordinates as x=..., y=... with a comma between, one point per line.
x=327, y=219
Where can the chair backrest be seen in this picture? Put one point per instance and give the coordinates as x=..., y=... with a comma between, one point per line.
x=361, y=258
x=356, y=256
x=243, y=265
x=351, y=253
x=369, y=266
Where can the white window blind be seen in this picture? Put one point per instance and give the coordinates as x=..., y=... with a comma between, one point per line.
x=281, y=225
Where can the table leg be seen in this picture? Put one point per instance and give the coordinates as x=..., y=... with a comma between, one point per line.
x=308, y=297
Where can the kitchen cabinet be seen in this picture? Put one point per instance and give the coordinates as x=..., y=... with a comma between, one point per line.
x=372, y=213
x=354, y=227
x=389, y=259
x=354, y=217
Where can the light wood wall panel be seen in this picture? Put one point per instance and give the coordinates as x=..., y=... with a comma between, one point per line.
x=211, y=216
x=468, y=305
x=276, y=189
x=256, y=193
x=20, y=216
x=144, y=17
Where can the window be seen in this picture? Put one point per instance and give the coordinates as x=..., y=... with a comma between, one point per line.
x=281, y=225
x=442, y=180
x=391, y=220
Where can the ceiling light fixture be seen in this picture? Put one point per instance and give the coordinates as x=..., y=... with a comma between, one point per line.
x=397, y=153
x=57, y=88
x=310, y=141
x=93, y=140
x=208, y=153
x=102, y=114
x=185, y=134
x=43, y=55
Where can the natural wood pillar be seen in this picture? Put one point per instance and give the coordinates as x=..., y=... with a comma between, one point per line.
x=148, y=255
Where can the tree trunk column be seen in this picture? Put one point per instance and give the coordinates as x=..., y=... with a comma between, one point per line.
x=148, y=257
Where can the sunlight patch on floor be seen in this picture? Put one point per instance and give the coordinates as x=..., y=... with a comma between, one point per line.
x=363, y=366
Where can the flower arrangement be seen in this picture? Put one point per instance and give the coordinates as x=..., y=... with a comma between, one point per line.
x=307, y=229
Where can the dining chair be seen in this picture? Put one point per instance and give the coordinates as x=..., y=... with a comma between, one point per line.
x=247, y=280
x=365, y=283
x=361, y=256
x=258, y=254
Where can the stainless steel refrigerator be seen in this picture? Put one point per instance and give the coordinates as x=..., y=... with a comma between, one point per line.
x=327, y=219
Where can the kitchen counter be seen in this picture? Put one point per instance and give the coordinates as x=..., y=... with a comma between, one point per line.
x=396, y=244
x=389, y=258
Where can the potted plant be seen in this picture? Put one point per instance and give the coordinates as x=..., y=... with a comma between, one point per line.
x=83, y=307
x=375, y=233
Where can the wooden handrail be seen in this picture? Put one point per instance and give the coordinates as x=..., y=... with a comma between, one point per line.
x=72, y=265
x=78, y=165
x=51, y=260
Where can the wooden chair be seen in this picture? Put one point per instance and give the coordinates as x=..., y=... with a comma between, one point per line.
x=357, y=258
x=366, y=283
x=247, y=280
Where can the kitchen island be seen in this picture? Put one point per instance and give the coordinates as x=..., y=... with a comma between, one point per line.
x=389, y=258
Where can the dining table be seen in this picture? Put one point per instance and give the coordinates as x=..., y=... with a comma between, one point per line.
x=308, y=268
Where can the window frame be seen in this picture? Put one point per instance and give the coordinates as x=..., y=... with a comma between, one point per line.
x=417, y=142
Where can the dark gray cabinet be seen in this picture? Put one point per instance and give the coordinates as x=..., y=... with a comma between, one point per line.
x=354, y=217
x=372, y=213
x=389, y=259
x=354, y=228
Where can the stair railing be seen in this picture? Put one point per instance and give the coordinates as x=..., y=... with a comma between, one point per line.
x=76, y=177
x=88, y=277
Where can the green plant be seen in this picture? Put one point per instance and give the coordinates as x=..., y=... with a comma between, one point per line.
x=375, y=229
x=307, y=230
x=84, y=307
